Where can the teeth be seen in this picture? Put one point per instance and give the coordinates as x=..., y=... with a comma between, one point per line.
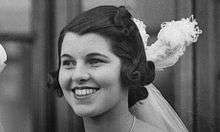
x=84, y=91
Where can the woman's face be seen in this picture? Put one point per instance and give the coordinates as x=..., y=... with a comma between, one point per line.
x=89, y=74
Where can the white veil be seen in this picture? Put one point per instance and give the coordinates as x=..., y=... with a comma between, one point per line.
x=156, y=110
x=172, y=40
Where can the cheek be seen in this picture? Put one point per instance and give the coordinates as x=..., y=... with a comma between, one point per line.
x=107, y=76
x=63, y=79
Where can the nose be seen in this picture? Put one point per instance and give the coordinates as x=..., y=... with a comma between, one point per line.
x=80, y=75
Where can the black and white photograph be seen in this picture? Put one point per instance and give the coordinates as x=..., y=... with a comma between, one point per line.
x=109, y=66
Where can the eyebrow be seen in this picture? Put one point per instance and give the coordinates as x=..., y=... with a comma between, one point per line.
x=96, y=54
x=89, y=55
x=66, y=55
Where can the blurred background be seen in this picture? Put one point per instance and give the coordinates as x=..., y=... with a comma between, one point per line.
x=29, y=30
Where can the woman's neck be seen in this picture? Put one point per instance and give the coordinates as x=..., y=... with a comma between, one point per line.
x=118, y=119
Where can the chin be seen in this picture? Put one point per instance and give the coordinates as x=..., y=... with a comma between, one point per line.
x=86, y=112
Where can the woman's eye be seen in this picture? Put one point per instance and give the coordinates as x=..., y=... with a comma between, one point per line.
x=68, y=64
x=96, y=62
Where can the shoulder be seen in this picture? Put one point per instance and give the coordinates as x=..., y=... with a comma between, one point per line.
x=141, y=126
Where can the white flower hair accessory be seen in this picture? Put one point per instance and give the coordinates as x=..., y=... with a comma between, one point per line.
x=172, y=40
x=3, y=58
x=141, y=27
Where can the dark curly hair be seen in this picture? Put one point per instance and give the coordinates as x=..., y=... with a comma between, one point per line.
x=116, y=25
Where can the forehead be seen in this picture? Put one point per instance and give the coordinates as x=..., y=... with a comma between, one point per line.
x=81, y=43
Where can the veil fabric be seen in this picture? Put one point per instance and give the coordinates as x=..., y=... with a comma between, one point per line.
x=155, y=110
x=171, y=43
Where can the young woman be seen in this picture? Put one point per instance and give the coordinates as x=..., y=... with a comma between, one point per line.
x=102, y=58
x=104, y=75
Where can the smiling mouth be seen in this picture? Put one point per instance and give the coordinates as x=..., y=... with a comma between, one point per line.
x=84, y=91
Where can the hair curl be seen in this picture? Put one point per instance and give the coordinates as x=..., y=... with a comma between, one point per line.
x=116, y=25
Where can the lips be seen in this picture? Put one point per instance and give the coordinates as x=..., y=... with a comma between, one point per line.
x=84, y=91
